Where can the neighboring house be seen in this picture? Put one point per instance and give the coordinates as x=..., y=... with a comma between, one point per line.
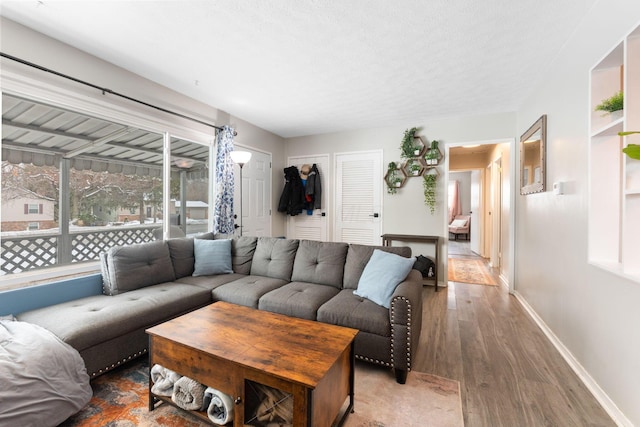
x=22, y=214
x=196, y=209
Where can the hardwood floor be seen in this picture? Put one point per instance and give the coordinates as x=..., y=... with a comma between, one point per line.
x=509, y=372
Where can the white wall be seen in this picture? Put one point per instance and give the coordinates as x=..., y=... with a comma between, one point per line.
x=21, y=42
x=405, y=212
x=593, y=313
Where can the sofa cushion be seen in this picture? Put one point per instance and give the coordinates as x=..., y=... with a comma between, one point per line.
x=182, y=255
x=181, y=252
x=242, y=250
x=212, y=257
x=93, y=320
x=210, y=282
x=246, y=290
x=136, y=266
x=320, y=262
x=383, y=273
x=358, y=256
x=274, y=258
x=353, y=311
x=297, y=299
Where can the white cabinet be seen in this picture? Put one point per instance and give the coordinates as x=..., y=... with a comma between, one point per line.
x=614, y=178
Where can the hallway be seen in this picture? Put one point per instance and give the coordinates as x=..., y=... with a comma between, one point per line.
x=510, y=374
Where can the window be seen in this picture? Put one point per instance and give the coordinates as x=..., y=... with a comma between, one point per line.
x=33, y=208
x=110, y=178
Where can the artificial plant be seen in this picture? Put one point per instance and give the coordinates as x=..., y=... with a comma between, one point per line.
x=408, y=147
x=429, y=185
x=614, y=103
x=391, y=178
x=631, y=150
x=433, y=154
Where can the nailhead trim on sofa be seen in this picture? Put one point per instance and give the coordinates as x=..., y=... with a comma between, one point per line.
x=393, y=302
x=126, y=359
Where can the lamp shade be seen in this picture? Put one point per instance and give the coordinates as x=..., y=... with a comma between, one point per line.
x=240, y=157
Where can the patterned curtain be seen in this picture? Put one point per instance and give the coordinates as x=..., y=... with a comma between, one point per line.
x=223, y=207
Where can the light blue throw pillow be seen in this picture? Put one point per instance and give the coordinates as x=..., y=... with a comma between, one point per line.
x=381, y=275
x=212, y=257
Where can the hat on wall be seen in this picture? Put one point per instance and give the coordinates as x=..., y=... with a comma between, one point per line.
x=304, y=171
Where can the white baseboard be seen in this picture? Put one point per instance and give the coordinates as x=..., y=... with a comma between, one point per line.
x=609, y=406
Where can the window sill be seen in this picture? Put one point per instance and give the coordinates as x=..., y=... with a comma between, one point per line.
x=47, y=275
x=617, y=269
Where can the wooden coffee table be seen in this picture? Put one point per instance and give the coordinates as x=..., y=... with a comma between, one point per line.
x=227, y=346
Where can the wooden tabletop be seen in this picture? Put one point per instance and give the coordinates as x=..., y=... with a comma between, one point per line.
x=293, y=349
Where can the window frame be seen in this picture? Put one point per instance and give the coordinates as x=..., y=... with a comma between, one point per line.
x=46, y=89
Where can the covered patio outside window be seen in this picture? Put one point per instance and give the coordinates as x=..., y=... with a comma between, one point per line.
x=89, y=184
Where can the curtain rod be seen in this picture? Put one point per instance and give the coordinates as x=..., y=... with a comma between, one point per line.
x=109, y=91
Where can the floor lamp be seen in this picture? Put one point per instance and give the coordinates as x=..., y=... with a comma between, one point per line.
x=240, y=158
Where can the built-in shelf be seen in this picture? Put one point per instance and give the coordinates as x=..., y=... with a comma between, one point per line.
x=614, y=178
x=610, y=129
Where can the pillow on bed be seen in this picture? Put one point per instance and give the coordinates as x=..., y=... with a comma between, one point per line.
x=212, y=257
x=382, y=274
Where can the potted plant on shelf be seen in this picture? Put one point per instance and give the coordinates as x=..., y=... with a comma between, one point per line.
x=414, y=168
x=393, y=180
x=429, y=185
x=612, y=104
x=408, y=147
x=433, y=154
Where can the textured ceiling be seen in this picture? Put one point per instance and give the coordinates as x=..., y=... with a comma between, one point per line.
x=300, y=67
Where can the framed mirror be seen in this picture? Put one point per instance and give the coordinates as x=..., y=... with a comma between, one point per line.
x=532, y=157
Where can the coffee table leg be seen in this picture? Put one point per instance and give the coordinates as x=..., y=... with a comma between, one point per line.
x=352, y=379
x=352, y=373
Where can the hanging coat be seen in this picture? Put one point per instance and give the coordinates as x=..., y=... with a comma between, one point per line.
x=313, y=189
x=292, y=198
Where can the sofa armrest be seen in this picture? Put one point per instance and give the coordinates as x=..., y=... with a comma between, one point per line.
x=406, y=320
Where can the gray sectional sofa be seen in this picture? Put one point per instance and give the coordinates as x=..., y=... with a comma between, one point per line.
x=150, y=283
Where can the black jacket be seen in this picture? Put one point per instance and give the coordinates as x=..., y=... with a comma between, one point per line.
x=314, y=188
x=292, y=198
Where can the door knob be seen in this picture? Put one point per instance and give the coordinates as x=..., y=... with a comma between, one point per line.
x=375, y=215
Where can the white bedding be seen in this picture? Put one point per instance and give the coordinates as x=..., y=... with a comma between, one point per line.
x=43, y=380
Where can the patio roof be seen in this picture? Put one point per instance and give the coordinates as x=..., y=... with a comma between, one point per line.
x=42, y=134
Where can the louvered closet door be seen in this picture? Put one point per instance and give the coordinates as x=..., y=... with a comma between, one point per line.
x=359, y=182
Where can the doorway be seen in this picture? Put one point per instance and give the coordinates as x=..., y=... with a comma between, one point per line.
x=255, y=204
x=482, y=173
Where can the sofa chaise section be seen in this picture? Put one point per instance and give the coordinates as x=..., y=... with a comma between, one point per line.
x=108, y=330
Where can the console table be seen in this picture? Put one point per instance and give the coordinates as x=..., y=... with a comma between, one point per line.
x=388, y=238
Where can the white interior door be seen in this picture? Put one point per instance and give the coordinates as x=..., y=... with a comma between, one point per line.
x=496, y=191
x=314, y=226
x=475, y=211
x=256, y=195
x=496, y=248
x=358, y=202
